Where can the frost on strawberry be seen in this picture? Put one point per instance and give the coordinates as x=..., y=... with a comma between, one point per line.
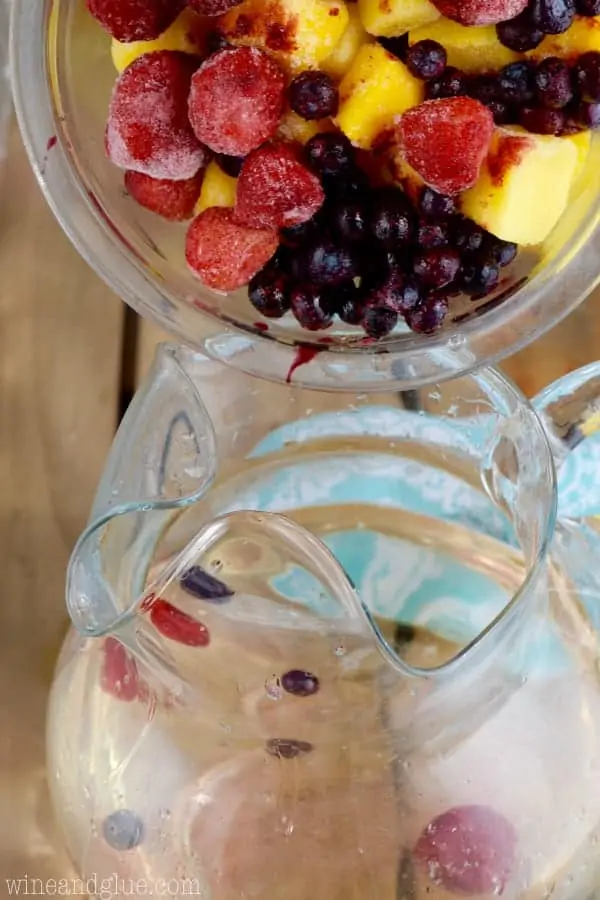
x=135, y=20
x=173, y=200
x=148, y=129
x=276, y=190
x=236, y=100
x=446, y=142
x=224, y=254
x=480, y=12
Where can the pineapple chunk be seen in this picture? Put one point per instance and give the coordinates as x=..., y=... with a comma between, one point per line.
x=524, y=186
x=218, y=189
x=300, y=34
x=337, y=64
x=186, y=34
x=390, y=18
x=294, y=128
x=470, y=48
x=582, y=143
x=582, y=36
x=376, y=89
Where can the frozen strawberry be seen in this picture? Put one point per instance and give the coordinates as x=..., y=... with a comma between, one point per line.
x=177, y=625
x=173, y=200
x=135, y=20
x=236, y=100
x=148, y=129
x=224, y=254
x=468, y=850
x=276, y=190
x=118, y=671
x=446, y=141
x=212, y=7
x=480, y=12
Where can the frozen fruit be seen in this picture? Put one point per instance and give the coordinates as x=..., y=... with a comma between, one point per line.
x=378, y=321
x=313, y=95
x=354, y=36
x=275, y=189
x=480, y=12
x=135, y=20
x=325, y=263
x=469, y=48
x=453, y=83
x=429, y=314
x=224, y=254
x=236, y=100
x=118, y=673
x=269, y=293
x=330, y=154
x=446, y=141
x=309, y=306
x=436, y=205
x=218, y=189
x=148, y=129
x=426, y=59
x=212, y=7
x=376, y=89
x=395, y=17
x=436, y=267
x=173, y=200
x=516, y=83
x=350, y=220
x=187, y=34
x=294, y=128
x=432, y=234
x=176, y=625
x=300, y=34
x=392, y=218
x=586, y=74
x=553, y=83
x=582, y=37
x=524, y=186
x=519, y=34
x=552, y=16
x=479, y=277
x=542, y=121
x=468, y=850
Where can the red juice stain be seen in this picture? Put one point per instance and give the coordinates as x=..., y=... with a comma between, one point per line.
x=303, y=355
x=507, y=153
x=261, y=326
x=51, y=143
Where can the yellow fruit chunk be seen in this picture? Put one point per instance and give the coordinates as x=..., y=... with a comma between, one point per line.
x=582, y=143
x=390, y=18
x=376, y=89
x=299, y=33
x=470, y=48
x=294, y=128
x=524, y=186
x=338, y=63
x=186, y=34
x=582, y=36
x=218, y=189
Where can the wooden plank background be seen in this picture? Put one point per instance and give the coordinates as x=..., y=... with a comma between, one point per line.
x=64, y=369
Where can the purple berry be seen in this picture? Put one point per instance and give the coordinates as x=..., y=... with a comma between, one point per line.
x=350, y=220
x=379, y=321
x=516, y=83
x=123, y=830
x=552, y=16
x=519, y=34
x=502, y=112
x=300, y=683
x=484, y=88
x=479, y=277
x=330, y=153
x=436, y=205
x=197, y=582
x=309, y=306
x=397, y=46
x=467, y=237
x=269, y=294
x=349, y=184
x=553, y=83
x=432, y=234
x=287, y=748
x=428, y=317
x=500, y=252
x=437, y=267
x=587, y=76
x=588, y=114
x=453, y=83
x=587, y=7
x=231, y=165
x=391, y=218
x=325, y=263
x=426, y=60
x=542, y=121
x=313, y=95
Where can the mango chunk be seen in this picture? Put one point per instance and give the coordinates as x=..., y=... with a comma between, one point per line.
x=390, y=18
x=470, y=48
x=582, y=36
x=337, y=63
x=294, y=128
x=218, y=189
x=300, y=34
x=187, y=34
x=376, y=89
x=524, y=186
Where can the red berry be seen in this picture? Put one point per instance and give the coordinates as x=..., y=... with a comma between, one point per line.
x=148, y=129
x=236, y=100
x=177, y=625
x=480, y=12
x=468, y=850
x=224, y=254
x=173, y=200
x=212, y=7
x=118, y=671
x=276, y=190
x=446, y=141
x=135, y=20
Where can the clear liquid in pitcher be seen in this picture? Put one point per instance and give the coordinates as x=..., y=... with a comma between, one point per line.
x=298, y=763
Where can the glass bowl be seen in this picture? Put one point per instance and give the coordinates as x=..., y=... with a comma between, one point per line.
x=63, y=77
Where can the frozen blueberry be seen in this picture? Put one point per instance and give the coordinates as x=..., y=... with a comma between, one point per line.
x=310, y=306
x=426, y=59
x=231, y=165
x=123, y=830
x=287, y=748
x=300, y=683
x=552, y=16
x=484, y=88
x=453, y=83
x=479, y=277
x=269, y=293
x=436, y=267
x=467, y=237
x=588, y=114
x=325, y=263
x=553, y=83
x=330, y=153
x=520, y=34
x=587, y=75
x=350, y=220
x=516, y=83
x=498, y=251
x=436, y=205
x=432, y=234
x=428, y=317
x=392, y=218
x=378, y=321
x=539, y=120
x=313, y=95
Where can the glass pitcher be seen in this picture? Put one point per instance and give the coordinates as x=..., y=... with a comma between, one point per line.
x=335, y=645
